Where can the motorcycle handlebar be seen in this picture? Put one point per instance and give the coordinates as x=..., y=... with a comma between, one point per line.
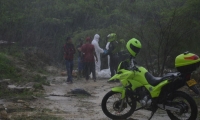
x=134, y=68
x=133, y=64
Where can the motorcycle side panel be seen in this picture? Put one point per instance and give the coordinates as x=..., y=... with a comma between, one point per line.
x=137, y=79
x=140, y=76
x=155, y=90
x=135, y=84
x=123, y=77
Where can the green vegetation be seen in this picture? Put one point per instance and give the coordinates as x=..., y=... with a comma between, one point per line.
x=19, y=68
x=7, y=68
x=38, y=86
x=7, y=94
x=166, y=28
x=15, y=67
x=39, y=28
x=41, y=79
x=42, y=117
x=42, y=114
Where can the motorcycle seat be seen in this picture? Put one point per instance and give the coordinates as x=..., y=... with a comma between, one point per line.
x=156, y=80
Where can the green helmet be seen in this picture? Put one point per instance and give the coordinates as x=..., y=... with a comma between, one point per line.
x=112, y=37
x=133, y=46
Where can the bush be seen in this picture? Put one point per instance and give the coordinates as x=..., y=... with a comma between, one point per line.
x=38, y=86
x=41, y=79
x=7, y=69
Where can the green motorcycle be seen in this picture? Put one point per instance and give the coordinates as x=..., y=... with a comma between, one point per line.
x=153, y=93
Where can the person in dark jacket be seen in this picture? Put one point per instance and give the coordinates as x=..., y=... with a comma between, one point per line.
x=112, y=51
x=69, y=51
x=88, y=58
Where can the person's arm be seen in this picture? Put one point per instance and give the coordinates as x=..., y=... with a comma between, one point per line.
x=100, y=49
x=79, y=47
x=110, y=49
x=95, y=56
x=82, y=48
x=66, y=49
x=94, y=53
x=107, y=45
x=96, y=45
x=73, y=49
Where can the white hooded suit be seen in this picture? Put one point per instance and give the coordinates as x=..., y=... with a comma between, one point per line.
x=98, y=50
x=107, y=47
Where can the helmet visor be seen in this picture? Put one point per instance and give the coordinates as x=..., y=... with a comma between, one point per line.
x=135, y=49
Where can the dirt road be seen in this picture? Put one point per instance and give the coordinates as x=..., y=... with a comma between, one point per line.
x=60, y=103
x=81, y=107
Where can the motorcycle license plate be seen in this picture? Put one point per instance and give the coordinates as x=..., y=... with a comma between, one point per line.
x=191, y=82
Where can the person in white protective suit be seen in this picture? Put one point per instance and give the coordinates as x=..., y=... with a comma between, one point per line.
x=107, y=47
x=98, y=51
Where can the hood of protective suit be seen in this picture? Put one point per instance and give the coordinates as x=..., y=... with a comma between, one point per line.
x=96, y=37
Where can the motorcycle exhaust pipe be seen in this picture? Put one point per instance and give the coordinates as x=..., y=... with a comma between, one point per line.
x=165, y=107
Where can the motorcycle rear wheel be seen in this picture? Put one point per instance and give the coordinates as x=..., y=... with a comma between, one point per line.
x=113, y=111
x=184, y=98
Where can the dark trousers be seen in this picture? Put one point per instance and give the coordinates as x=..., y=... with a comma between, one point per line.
x=113, y=64
x=88, y=68
x=69, y=67
x=80, y=66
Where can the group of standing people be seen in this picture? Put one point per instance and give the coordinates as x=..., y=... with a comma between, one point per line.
x=89, y=60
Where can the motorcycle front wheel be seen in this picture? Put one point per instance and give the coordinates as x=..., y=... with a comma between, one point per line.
x=186, y=104
x=116, y=108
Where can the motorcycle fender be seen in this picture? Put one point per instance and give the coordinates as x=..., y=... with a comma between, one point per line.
x=120, y=90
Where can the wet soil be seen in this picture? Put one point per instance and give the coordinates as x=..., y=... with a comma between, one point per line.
x=81, y=107
x=58, y=101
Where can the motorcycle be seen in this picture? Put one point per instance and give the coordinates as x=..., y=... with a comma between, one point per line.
x=153, y=93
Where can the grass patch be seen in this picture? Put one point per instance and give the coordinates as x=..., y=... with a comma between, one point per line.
x=22, y=68
x=42, y=71
x=10, y=94
x=7, y=69
x=38, y=86
x=40, y=79
x=40, y=117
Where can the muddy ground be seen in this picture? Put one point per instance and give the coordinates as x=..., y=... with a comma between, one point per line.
x=59, y=102
x=83, y=107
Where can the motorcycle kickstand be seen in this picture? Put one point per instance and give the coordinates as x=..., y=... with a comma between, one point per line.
x=152, y=113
